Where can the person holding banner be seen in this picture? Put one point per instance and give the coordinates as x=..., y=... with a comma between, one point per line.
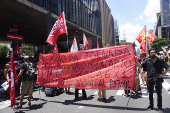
x=154, y=66
x=103, y=95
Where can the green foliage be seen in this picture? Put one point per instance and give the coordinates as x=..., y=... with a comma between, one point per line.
x=4, y=50
x=27, y=50
x=159, y=43
x=105, y=43
x=126, y=43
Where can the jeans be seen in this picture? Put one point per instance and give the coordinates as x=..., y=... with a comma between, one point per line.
x=158, y=87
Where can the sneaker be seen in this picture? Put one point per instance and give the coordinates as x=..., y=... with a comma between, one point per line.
x=32, y=98
x=104, y=100
x=18, y=107
x=124, y=95
x=76, y=99
x=150, y=108
x=29, y=104
x=99, y=99
x=161, y=111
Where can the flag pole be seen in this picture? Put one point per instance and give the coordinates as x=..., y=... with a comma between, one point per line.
x=67, y=42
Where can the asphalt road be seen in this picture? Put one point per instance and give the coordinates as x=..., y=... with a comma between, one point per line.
x=115, y=102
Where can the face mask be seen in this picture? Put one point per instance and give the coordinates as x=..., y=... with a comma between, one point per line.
x=153, y=56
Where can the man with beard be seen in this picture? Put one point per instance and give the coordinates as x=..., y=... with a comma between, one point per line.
x=154, y=66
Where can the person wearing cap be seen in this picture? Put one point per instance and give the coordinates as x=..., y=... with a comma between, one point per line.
x=26, y=85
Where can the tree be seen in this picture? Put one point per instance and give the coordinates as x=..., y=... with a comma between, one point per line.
x=4, y=50
x=159, y=43
x=126, y=43
x=26, y=50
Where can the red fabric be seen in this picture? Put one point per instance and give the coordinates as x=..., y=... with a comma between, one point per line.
x=55, y=49
x=97, y=43
x=14, y=81
x=141, y=38
x=58, y=29
x=166, y=59
x=111, y=68
x=9, y=36
x=16, y=52
x=151, y=37
x=89, y=44
x=85, y=42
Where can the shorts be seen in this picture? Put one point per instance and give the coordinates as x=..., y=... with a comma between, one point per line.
x=144, y=75
x=26, y=87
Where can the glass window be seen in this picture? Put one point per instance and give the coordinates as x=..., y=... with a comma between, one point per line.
x=59, y=7
x=67, y=10
x=63, y=6
x=37, y=2
x=55, y=7
x=43, y=4
x=80, y=13
x=49, y=5
x=74, y=11
x=71, y=10
x=77, y=12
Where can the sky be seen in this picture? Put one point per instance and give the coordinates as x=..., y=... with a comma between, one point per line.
x=133, y=15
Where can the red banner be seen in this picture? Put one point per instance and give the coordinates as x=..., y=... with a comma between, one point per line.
x=111, y=68
x=9, y=36
x=58, y=29
x=14, y=29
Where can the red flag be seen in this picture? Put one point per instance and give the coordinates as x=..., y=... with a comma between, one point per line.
x=141, y=38
x=151, y=37
x=55, y=49
x=16, y=52
x=97, y=43
x=14, y=81
x=74, y=47
x=85, y=42
x=58, y=29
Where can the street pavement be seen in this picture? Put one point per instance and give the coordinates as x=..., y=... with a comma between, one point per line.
x=115, y=102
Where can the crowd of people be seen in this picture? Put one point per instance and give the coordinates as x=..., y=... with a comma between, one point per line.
x=150, y=69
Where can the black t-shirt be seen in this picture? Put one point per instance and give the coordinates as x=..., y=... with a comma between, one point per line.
x=153, y=69
x=24, y=66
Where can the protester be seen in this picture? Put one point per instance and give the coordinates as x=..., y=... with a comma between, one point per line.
x=161, y=56
x=137, y=82
x=166, y=57
x=7, y=66
x=26, y=84
x=127, y=93
x=154, y=66
x=103, y=93
x=8, y=76
x=36, y=74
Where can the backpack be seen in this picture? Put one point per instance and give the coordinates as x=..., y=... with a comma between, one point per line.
x=30, y=71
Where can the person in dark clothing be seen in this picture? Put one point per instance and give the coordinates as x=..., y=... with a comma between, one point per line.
x=154, y=67
x=17, y=86
x=83, y=92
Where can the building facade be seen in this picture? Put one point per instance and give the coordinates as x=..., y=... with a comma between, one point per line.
x=117, y=31
x=164, y=6
x=107, y=23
